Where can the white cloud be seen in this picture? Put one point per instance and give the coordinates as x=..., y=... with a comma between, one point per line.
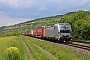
x=22, y=3
x=12, y=21
x=13, y=3
x=29, y=3
x=36, y=8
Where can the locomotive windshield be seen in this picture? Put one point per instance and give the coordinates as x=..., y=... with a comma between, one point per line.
x=65, y=28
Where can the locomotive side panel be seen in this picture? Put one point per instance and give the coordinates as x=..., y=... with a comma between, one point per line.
x=56, y=32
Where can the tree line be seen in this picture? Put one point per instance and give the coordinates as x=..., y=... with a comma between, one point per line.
x=80, y=23
x=14, y=33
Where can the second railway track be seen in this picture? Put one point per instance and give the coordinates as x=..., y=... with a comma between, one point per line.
x=79, y=46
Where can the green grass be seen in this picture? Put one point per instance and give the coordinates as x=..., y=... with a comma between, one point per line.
x=38, y=54
x=14, y=41
x=60, y=52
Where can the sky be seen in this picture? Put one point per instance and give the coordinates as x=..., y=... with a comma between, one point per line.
x=17, y=11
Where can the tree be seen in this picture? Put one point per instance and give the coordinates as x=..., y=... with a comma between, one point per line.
x=79, y=22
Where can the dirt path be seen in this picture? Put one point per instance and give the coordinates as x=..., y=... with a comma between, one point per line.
x=28, y=51
x=46, y=52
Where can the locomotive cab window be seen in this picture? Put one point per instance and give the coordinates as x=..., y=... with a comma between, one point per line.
x=65, y=28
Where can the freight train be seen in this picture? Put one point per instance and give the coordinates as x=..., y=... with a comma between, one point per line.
x=60, y=32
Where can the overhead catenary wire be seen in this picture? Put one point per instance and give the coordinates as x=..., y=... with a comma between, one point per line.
x=75, y=7
x=70, y=5
x=81, y=5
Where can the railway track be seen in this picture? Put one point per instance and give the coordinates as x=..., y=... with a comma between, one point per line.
x=81, y=41
x=82, y=44
x=79, y=45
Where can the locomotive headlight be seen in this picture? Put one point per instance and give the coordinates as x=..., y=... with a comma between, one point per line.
x=59, y=33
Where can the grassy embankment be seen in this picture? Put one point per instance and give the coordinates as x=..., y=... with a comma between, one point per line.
x=60, y=52
x=13, y=41
x=38, y=54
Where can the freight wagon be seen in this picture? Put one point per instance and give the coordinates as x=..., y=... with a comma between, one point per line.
x=39, y=32
x=31, y=32
x=34, y=32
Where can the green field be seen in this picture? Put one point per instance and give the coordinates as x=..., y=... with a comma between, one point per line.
x=39, y=55
x=13, y=41
x=59, y=52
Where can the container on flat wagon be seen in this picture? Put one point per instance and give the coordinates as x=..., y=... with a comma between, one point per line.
x=31, y=32
x=44, y=31
x=26, y=33
x=34, y=32
x=50, y=31
x=40, y=31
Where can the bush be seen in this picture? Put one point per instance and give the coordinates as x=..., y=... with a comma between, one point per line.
x=11, y=53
